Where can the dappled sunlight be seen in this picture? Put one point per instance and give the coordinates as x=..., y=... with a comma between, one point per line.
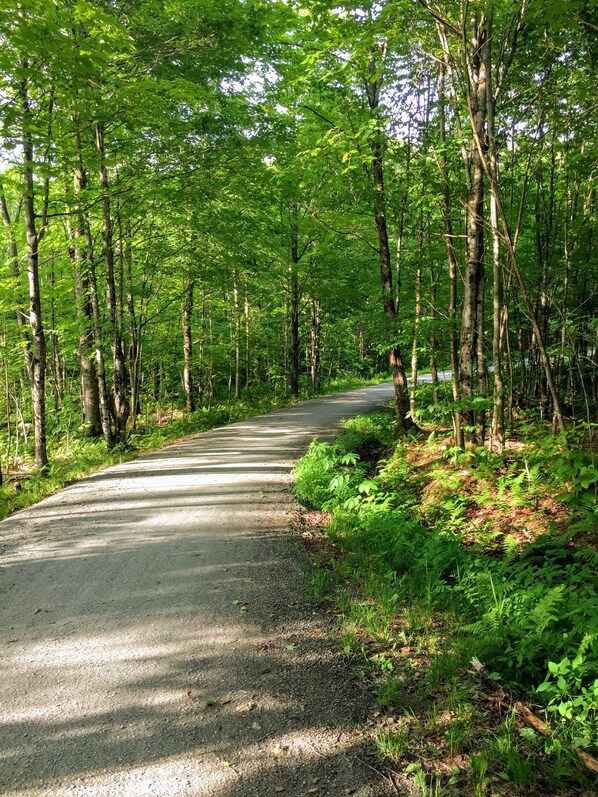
x=119, y=662
x=175, y=777
x=152, y=631
x=151, y=717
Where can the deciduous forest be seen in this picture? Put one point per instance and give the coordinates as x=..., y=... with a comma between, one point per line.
x=212, y=209
x=199, y=200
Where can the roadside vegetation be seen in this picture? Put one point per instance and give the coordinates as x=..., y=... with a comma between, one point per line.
x=466, y=586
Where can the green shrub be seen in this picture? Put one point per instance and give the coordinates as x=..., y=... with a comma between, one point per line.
x=326, y=475
x=532, y=617
x=331, y=474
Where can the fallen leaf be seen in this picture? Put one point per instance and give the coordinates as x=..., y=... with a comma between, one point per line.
x=246, y=706
x=256, y=726
x=280, y=749
x=477, y=664
x=313, y=790
x=406, y=649
x=279, y=789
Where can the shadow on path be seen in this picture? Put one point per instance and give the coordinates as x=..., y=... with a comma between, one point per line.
x=154, y=637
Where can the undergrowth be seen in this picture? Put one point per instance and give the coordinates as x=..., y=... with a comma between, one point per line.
x=432, y=568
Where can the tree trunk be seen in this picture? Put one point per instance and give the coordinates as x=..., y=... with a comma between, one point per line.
x=201, y=353
x=90, y=397
x=452, y=261
x=361, y=336
x=21, y=314
x=155, y=375
x=395, y=357
x=237, y=313
x=188, y=346
x=316, y=359
x=477, y=90
x=57, y=384
x=134, y=322
x=416, y=323
x=433, y=341
x=84, y=252
x=514, y=266
x=474, y=261
x=498, y=413
x=120, y=399
x=506, y=344
x=38, y=350
x=482, y=366
x=294, y=303
x=558, y=415
x=401, y=225
x=8, y=416
x=247, y=339
x=100, y=362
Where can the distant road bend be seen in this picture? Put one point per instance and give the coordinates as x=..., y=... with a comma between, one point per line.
x=154, y=636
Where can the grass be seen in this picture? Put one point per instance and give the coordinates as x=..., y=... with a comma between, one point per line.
x=73, y=456
x=434, y=557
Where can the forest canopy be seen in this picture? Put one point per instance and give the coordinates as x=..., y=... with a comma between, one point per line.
x=206, y=199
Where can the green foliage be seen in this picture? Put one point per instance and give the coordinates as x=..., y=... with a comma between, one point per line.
x=569, y=468
x=375, y=430
x=513, y=764
x=571, y=688
x=531, y=615
x=331, y=474
x=393, y=744
x=318, y=583
x=529, y=609
x=322, y=471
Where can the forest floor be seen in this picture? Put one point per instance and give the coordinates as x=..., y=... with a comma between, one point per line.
x=155, y=638
x=464, y=585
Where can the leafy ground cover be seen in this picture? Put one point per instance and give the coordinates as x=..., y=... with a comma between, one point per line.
x=466, y=584
x=74, y=456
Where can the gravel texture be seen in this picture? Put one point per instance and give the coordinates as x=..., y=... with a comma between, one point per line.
x=155, y=639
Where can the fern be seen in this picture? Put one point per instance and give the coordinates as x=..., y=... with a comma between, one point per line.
x=543, y=613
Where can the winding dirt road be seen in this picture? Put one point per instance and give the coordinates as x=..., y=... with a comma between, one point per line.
x=154, y=636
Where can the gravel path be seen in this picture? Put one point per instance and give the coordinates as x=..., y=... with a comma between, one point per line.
x=155, y=640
